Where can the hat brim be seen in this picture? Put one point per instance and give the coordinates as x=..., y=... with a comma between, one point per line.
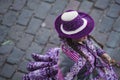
x=86, y=31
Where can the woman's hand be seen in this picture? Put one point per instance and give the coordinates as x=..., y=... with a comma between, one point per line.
x=107, y=58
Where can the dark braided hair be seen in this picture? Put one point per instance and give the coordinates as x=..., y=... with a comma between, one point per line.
x=74, y=45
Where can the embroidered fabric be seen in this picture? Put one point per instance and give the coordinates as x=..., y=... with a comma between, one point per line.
x=105, y=71
x=47, y=69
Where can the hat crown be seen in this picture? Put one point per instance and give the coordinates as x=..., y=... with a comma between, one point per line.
x=74, y=24
x=71, y=20
x=68, y=16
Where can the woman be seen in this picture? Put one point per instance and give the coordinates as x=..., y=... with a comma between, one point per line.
x=78, y=58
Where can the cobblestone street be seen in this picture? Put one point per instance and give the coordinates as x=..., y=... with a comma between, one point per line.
x=27, y=26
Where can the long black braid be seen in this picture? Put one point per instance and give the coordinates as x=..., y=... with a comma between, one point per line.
x=74, y=44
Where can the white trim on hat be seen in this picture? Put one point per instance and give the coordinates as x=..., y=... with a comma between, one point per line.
x=75, y=31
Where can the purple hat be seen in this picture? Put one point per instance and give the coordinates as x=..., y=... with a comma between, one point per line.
x=73, y=24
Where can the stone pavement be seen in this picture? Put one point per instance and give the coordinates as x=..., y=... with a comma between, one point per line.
x=26, y=26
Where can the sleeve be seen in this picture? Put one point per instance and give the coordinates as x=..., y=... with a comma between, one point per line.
x=44, y=67
x=100, y=51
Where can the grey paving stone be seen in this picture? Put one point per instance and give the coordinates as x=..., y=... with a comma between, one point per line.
x=22, y=66
x=3, y=32
x=49, y=21
x=6, y=49
x=100, y=37
x=102, y=4
x=34, y=48
x=118, y=1
x=2, y=61
x=4, y=5
x=50, y=1
x=10, y=18
x=42, y=10
x=1, y=18
x=109, y=50
x=106, y=24
x=24, y=17
x=18, y=4
x=2, y=78
x=96, y=15
x=48, y=46
x=58, y=7
x=93, y=0
x=33, y=26
x=33, y=4
x=113, y=39
x=114, y=11
x=16, y=32
x=7, y=71
x=54, y=38
x=115, y=54
x=73, y=5
x=25, y=41
x=15, y=56
x=29, y=57
x=17, y=76
x=86, y=6
x=42, y=36
x=116, y=26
